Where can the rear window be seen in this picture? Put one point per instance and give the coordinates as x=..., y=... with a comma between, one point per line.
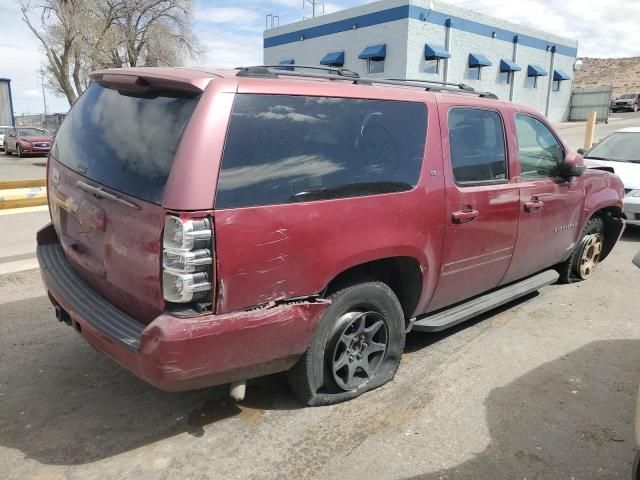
x=124, y=141
x=285, y=149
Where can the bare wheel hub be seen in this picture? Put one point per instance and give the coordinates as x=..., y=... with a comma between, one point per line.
x=590, y=254
x=360, y=347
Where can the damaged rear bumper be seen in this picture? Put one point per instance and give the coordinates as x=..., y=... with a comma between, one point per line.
x=179, y=353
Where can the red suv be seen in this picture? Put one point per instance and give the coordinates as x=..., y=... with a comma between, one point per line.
x=211, y=226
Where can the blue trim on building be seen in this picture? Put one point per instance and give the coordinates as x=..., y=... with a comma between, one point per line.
x=536, y=71
x=423, y=14
x=334, y=58
x=509, y=66
x=478, y=61
x=435, y=52
x=374, y=52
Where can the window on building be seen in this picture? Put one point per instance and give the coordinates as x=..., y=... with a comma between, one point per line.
x=556, y=86
x=506, y=77
x=532, y=82
x=432, y=66
x=375, y=66
x=477, y=147
x=318, y=148
x=539, y=151
x=474, y=73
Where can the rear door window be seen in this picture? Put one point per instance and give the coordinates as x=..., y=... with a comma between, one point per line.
x=124, y=141
x=285, y=149
x=477, y=147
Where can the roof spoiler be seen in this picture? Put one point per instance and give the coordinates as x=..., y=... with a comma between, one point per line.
x=135, y=82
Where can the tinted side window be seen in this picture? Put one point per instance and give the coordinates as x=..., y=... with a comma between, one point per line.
x=284, y=149
x=540, y=152
x=476, y=139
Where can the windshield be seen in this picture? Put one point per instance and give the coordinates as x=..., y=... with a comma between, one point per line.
x=628, y=95
x=32, y=132
x=619, y=147
x=124, y=141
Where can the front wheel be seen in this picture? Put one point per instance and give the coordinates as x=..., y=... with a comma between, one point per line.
x=356, y=347
x=586, y=255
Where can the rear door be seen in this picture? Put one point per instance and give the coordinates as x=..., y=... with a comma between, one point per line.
x=109, y=165
x=481, y=204
x=550, y=206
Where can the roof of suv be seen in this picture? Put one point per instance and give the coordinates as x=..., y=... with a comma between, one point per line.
x=199, y=77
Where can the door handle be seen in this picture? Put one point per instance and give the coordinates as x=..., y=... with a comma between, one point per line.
x=533, y=205
x=464, y=216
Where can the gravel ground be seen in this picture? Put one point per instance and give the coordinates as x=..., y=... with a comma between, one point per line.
x=543, y=388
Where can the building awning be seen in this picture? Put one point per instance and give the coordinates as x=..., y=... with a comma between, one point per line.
x=335, y=58
x=288, y=61
x=376, y=52
x=509, y=66
x=434, y=52
x=477, y=60
x=559, y=75
x=536, y=71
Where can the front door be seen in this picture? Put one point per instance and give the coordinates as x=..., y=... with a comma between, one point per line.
x=482, y=205
x=550, y=206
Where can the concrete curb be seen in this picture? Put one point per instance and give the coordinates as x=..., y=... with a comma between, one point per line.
x=13, y=184
x=23, y=197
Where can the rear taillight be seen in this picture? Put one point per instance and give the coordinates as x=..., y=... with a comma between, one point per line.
x=187, y=260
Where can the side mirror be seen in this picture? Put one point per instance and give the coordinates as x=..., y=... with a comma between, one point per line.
x=573, y=166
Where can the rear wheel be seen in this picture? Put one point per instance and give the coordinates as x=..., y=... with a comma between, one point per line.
x=585, y=256
x=356, y=347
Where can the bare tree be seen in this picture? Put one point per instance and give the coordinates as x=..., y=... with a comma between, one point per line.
x=79, y=36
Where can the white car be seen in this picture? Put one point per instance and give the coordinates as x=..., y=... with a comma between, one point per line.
x=3, y=130
x=621, y=152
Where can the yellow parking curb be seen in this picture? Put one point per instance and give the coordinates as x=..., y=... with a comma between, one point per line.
x=22, y=197
x=12, y=184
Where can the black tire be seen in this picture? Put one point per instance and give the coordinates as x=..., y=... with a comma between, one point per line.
x=316, y=378
x=569, y=270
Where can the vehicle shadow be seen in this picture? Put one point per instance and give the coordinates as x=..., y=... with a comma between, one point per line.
x=569, y=418
x=631, y=233
x=418, y=340
x=62, y=403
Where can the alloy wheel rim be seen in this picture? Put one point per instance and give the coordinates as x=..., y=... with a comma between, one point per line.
x=360, y=348
x=591, y=251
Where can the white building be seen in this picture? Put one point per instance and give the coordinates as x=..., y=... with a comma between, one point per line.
x=431, y=40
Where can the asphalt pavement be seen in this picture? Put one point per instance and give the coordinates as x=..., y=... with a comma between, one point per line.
x=542, y=388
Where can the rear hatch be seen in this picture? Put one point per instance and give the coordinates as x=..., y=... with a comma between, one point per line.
x=108, y=168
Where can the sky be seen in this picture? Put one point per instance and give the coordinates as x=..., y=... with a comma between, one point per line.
x=231, y=32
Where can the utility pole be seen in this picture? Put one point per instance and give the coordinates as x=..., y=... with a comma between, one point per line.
x=314, y=4
x=44, y=98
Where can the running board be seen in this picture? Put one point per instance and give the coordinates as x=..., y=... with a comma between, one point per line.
x=471, y=308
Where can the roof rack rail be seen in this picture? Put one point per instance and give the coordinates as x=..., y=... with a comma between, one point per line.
x=259, y=70
x=274, y=71
x=461, y=86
